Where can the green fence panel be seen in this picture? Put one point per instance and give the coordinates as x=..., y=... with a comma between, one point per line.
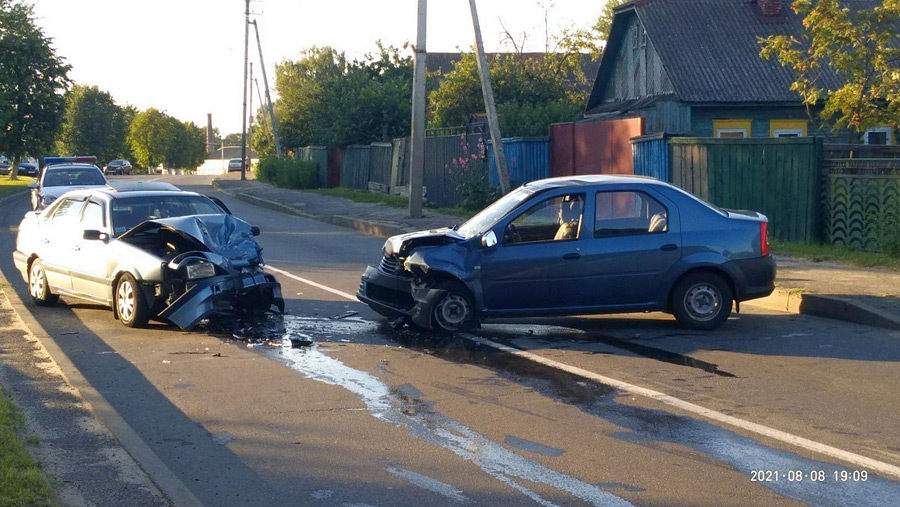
x=442, y=176
x=862, y=203
x=380, y=167
x=777, y=177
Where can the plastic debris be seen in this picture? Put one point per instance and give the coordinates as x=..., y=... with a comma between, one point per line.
x=343, y=315
x=297, y=343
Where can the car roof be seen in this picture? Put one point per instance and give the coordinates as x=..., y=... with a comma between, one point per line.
x=592, y=179
x=70, y=165
x=110, y=193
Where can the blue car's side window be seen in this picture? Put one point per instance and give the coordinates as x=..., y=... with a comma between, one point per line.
x=626, y=213
x=555, y=219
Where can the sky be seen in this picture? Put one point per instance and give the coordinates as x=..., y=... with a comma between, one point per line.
x=185, y=57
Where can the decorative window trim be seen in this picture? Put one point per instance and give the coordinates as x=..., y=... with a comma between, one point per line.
x=888, y=131
x=742, y=127
x=788, y=133
x=719, y=132
x=798, y=127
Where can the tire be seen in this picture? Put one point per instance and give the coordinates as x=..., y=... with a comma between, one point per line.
x=456, y=311
x=130, y=304
x=38, y=286
x=702, y=301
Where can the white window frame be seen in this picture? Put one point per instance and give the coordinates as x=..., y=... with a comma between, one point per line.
x=886, y=130
x=788, y=132
x=719, y=132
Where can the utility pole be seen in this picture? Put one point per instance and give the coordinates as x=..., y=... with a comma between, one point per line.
x=268, y=97
x=417, y=141
x=490, y=107
x=244, y=114
x=250, y=120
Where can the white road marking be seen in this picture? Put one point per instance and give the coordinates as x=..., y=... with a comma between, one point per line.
x=873, y=465
x=336, y=292
x=885, y=469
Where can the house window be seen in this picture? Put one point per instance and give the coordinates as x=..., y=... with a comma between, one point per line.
x=787, y=128
x=731, y=129
x=879, y=135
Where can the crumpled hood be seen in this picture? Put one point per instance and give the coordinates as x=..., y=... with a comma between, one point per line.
x=223, y=234
x=402, y=244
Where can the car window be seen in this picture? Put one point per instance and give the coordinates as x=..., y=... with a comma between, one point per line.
x=625, y=213
x=92, y=216
x=554, y=219
x=66, y=213
x=71, y=176
x=486, y=218
x=130, y=211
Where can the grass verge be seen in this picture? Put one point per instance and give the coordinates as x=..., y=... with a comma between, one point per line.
x=834, y=253
x=395, y=201
x=21, y=480
x=7, y=185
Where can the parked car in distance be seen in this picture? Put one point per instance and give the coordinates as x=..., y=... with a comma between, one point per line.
x=165, y=254
x=57, y=178
x=28, y=166
x=118, y=166
x=5, y=164
x=577, y=245
x=235, y=164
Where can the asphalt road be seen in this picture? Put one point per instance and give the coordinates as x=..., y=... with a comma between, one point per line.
x=625, y=409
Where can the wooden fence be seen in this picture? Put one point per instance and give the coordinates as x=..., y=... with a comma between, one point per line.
x=777, y=177
x=862, y=199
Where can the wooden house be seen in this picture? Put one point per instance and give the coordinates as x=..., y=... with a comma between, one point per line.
x=692, y=67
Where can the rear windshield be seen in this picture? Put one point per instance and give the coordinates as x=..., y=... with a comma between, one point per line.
x=130, y=211
x=73, y=176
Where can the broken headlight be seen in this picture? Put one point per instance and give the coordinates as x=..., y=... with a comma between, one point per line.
x=200, y=270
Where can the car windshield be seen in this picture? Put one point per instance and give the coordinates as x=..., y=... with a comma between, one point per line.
x=72, y=176
x=130, y=211
x=489, y=216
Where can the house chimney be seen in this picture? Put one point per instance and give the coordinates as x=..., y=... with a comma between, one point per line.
x=771, y=8
x=210, y=136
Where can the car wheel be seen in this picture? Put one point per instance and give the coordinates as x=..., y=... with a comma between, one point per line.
x=130, y=304
x=38, y=286
x=456, y=310
x=702, y=301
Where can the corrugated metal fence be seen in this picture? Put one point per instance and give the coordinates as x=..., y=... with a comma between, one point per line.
x=778, y=177
x=527, y=158
x=651, y=156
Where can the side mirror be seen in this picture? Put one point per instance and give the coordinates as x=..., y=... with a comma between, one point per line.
x=489, y=239
x=95, y=235
x=254, y=230
x=32, y=184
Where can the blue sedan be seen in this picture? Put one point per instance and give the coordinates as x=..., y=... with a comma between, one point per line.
x=577, y=245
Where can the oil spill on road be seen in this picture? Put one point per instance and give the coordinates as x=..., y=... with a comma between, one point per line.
x=402, y=407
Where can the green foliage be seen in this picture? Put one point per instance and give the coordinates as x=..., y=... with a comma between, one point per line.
x=860, y=47
x=93, y=125
x=32, y=80
x=325, y=99
x=471, y=172
x=150, y=136
x=288, y=172
x=21, y=480
x=532, y=89
x=188, y=147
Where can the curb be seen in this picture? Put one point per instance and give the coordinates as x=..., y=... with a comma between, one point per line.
x=829, y=307
x=158, y=473
x=370, y=227
x=783, y=300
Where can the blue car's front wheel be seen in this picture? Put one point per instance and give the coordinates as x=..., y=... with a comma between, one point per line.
x=456, y=310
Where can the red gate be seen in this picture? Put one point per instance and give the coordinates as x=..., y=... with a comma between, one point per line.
x=601, y=147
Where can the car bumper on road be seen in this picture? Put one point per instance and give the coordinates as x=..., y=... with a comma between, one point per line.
x=758, y=277
x=224, y=295
x=397, y=296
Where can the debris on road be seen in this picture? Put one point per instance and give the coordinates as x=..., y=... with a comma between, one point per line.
x=343, y=315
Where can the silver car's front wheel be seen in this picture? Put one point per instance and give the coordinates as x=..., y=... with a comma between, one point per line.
x=38, y=286
x=130, y=305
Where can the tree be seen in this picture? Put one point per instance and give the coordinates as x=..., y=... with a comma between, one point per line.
x=93, y=125
x=188, y=146
x=151, y=134
x=860, y=48
x=530, y=92
x=32, y=81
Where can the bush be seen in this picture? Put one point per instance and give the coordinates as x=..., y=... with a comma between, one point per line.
x=288, y=172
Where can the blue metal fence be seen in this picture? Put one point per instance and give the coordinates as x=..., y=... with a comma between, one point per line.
x=651, y=156
x=528, y=159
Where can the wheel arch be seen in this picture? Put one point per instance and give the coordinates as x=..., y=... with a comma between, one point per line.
x=714, y=270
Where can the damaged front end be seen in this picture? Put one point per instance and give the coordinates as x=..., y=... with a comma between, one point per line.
x=211, y=266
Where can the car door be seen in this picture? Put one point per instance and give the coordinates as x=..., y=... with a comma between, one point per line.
x=90, y=256
x=634, y=239
x=535, y=264
x=57, y=241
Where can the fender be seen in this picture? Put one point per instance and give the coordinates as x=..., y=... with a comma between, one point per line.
x=713, y=260
x=450, y=260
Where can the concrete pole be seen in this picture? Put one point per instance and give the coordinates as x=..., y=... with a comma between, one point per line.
x=244, y=114
x=417, y=144
x=250, y=121
x=489, y=106
x=268, y=97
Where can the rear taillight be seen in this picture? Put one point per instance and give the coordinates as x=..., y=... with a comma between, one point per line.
x=764, y=238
